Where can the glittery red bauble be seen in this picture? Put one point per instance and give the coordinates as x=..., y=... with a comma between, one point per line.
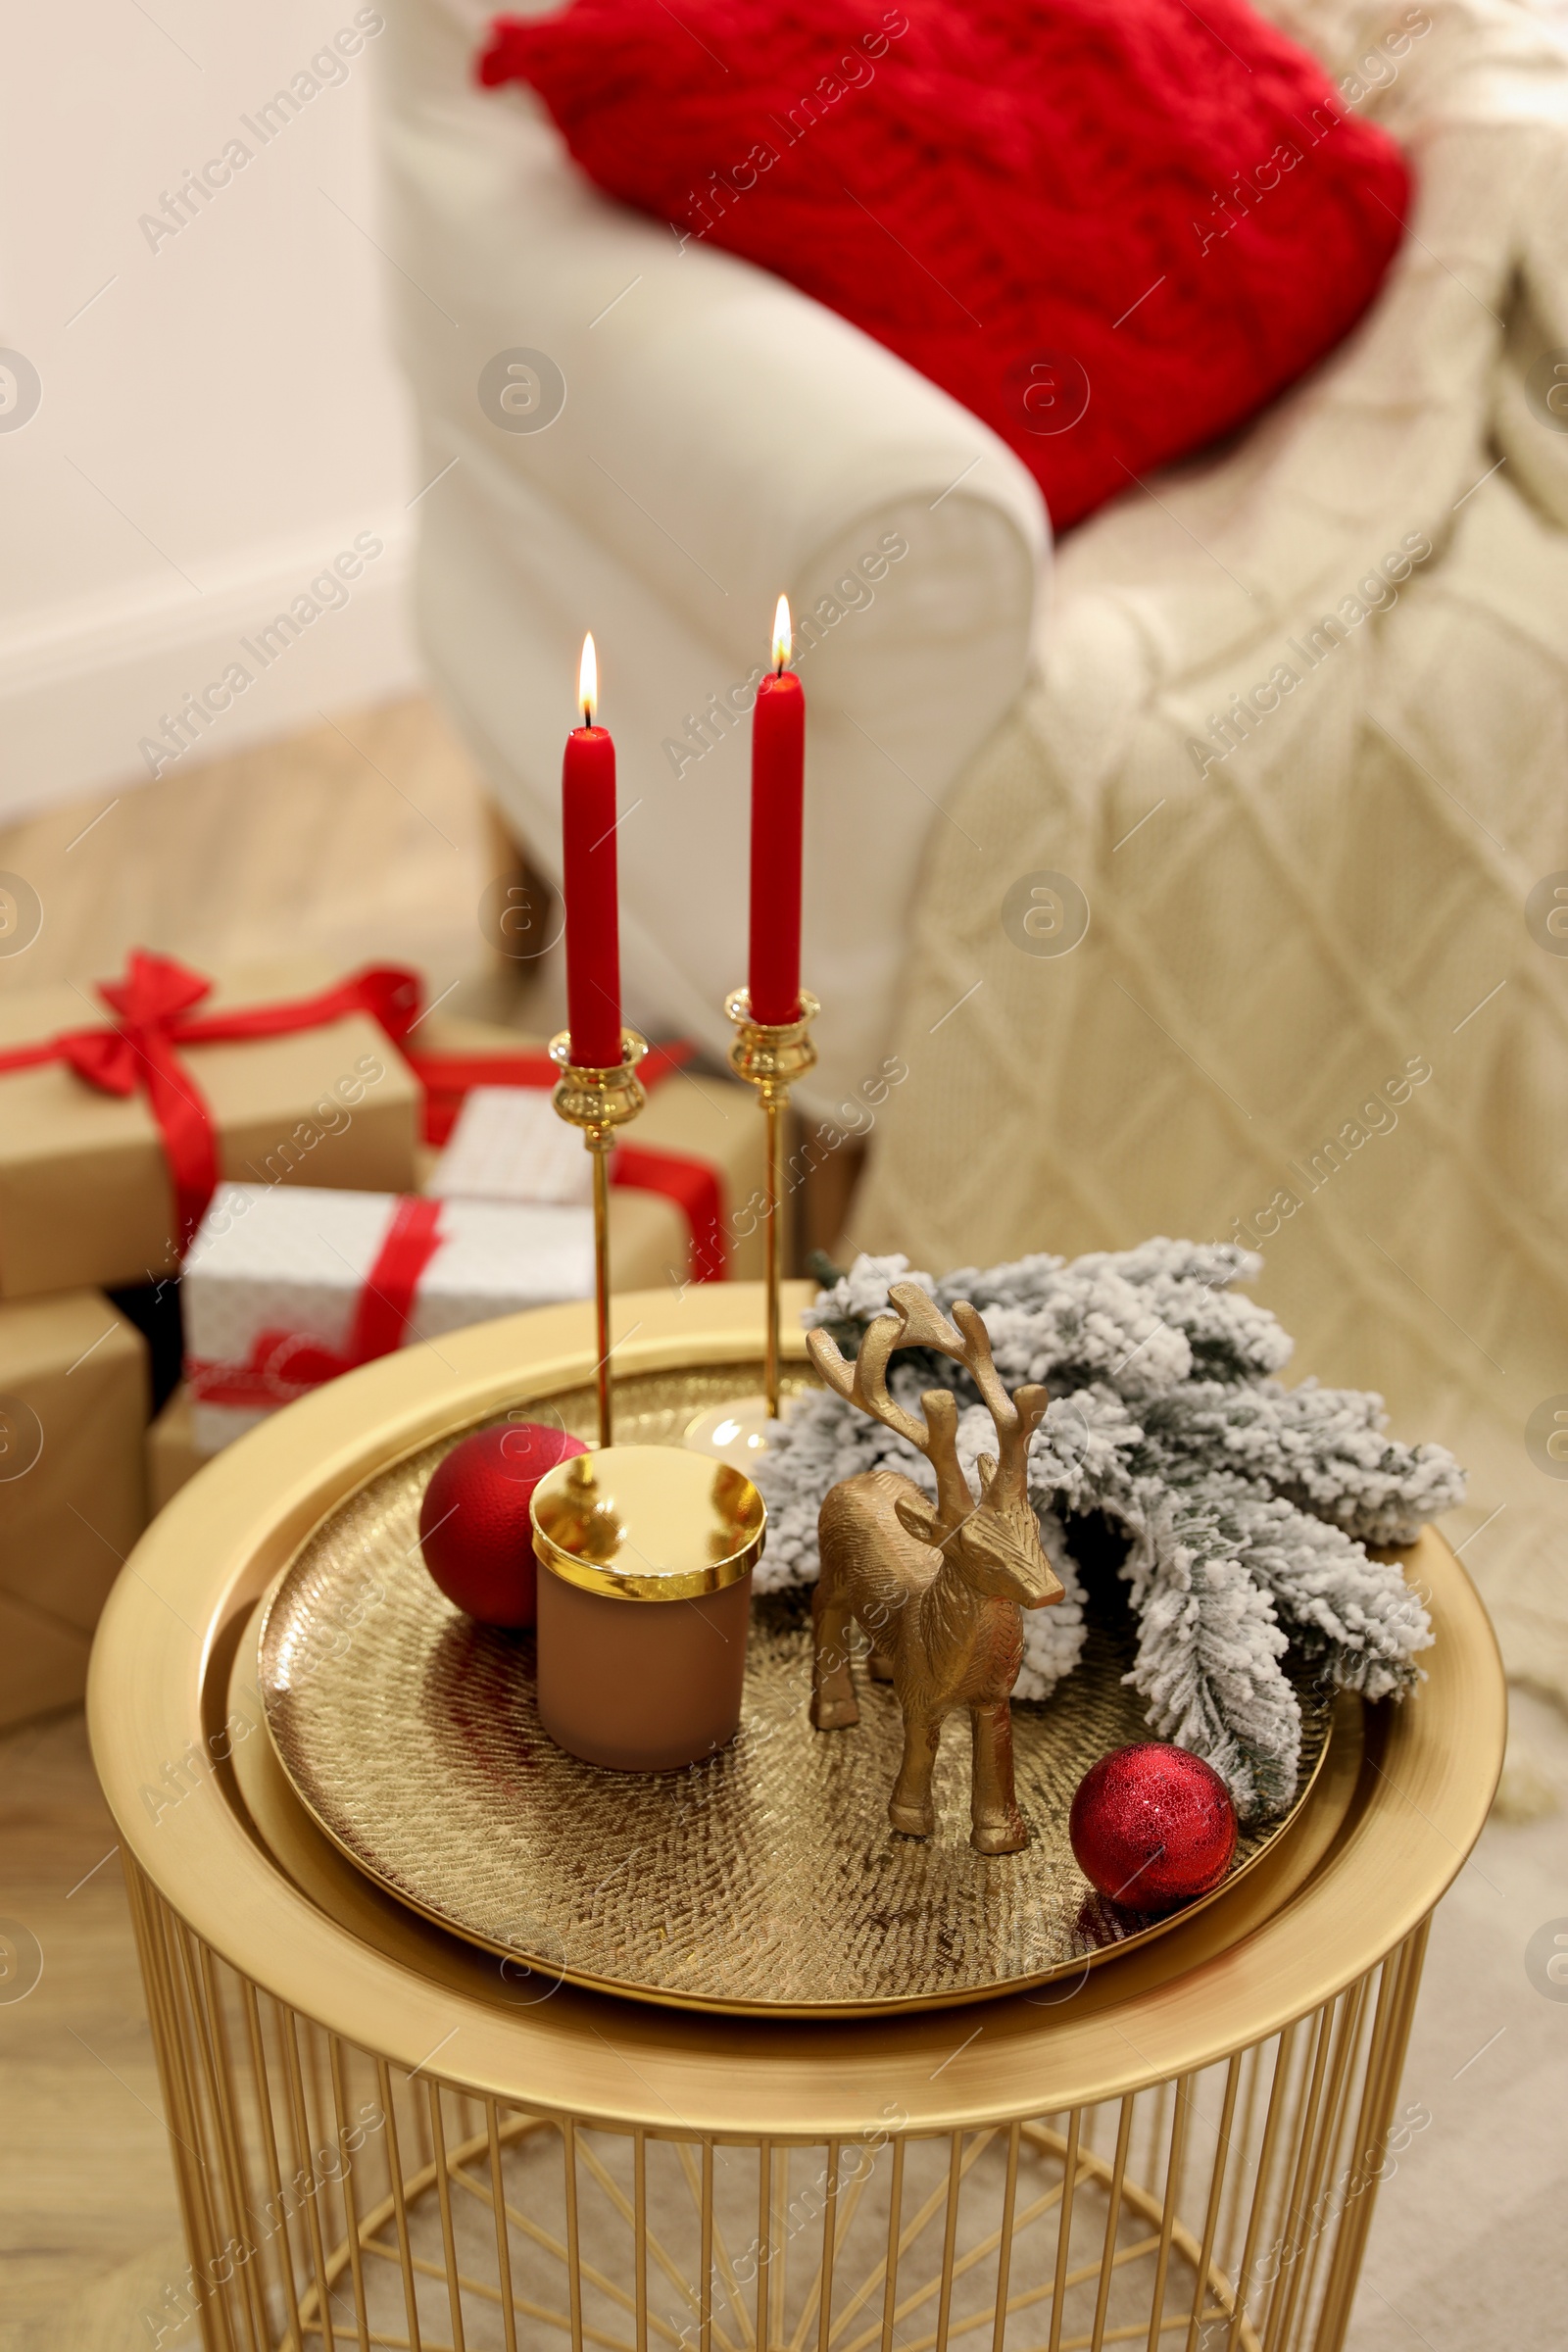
x=474, y=1521
x=1152, y=1825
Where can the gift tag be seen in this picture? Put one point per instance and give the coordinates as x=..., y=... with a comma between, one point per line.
x=508, y=1144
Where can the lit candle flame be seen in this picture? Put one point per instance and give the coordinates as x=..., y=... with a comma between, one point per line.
x=783, y=635
x=588, y=681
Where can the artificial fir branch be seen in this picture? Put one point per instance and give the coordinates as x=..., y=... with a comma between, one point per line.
x=1247, y=1506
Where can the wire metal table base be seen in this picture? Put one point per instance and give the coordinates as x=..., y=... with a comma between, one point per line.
x=332, y=2199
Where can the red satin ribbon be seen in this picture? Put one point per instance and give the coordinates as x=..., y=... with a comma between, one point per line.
x=448, y=1077
x=693, y=1185
x=154, y=1005
x=284, y=1364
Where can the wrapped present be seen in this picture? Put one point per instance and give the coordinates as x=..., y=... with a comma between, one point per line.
x=687, y=1176
x=73, y=1400
x=118, y=1118
x=285, y=1288
x=508, y=1145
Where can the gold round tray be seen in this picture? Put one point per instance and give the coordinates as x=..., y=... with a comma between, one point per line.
x=764, y=1881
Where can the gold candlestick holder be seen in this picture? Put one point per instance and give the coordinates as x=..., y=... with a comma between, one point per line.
x=598, y=1101
x=772, y=1055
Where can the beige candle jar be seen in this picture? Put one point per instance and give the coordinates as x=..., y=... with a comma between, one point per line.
x=645, y=1590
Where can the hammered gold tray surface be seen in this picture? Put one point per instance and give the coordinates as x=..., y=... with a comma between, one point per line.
x=764, y=1880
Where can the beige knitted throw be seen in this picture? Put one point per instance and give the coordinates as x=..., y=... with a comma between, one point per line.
x=1299, y=739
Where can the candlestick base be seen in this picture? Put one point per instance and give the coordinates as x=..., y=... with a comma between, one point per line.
x=770, y=1056
x=735, y=1432
x=598, y=1101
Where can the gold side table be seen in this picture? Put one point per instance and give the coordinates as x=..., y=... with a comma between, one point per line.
x=383, y=2137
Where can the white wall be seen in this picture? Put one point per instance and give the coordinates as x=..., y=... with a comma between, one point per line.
x=220, y=417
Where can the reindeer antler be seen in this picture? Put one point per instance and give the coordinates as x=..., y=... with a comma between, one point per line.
x=1017, y=1417
x=864, y=1382
x=916, y=1321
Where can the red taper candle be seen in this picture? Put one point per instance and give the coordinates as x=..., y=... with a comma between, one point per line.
x=593, y=918
x=778, y=804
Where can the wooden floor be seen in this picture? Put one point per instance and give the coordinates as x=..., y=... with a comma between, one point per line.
x=369, y=837
x=89, y=2230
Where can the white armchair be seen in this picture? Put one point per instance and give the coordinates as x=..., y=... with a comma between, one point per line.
x=722, y=437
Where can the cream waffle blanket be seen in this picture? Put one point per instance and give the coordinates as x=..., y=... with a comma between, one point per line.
x=1297, y=749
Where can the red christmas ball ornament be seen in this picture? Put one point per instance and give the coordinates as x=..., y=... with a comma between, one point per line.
x=473, y=1522
x=1151, y=1825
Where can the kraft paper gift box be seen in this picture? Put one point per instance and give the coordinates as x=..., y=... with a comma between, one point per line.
x=74, y=1401
x=85, y=1188
x=689, y=1115
x=171, y=1456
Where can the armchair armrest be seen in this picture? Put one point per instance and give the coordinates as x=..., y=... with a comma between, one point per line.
x=721, y=432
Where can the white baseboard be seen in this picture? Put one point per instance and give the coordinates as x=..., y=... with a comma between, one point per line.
x=87, y=685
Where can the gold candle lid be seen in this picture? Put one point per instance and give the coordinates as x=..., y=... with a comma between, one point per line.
x=647, y=1523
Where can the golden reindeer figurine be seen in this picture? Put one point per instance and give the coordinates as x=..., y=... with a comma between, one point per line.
x=937, y=1590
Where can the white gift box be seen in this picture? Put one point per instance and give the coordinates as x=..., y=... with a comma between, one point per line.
x=273, y=1281
x=508, y=1144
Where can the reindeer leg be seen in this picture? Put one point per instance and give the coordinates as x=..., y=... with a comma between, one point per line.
x=996, y=1825
x=910, y=1808
x=833, y=1701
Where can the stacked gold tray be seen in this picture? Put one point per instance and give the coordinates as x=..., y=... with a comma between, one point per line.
x=763, y=1880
